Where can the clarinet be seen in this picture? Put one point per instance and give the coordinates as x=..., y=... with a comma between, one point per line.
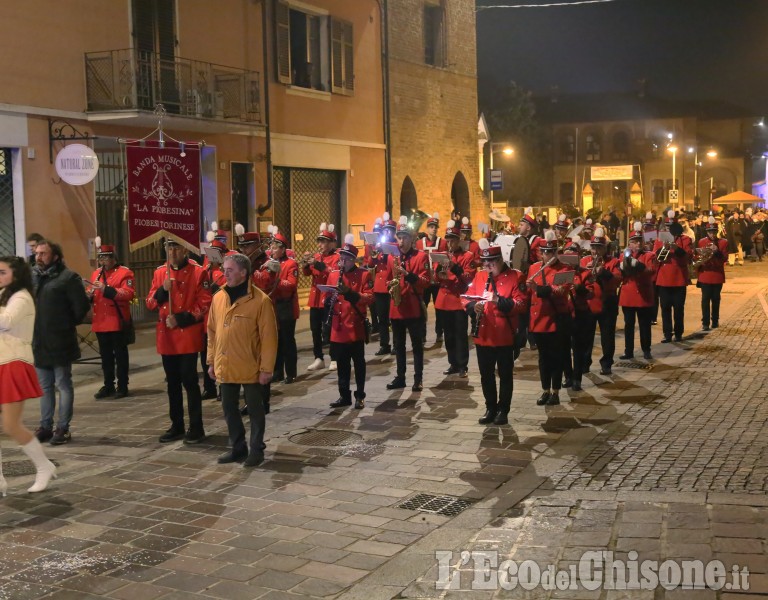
x=334, y=300
x=475, y=331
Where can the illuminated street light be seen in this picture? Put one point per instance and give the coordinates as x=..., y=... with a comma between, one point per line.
x=506, y=149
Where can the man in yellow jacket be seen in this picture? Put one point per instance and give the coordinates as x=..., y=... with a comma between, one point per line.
x=242, y=345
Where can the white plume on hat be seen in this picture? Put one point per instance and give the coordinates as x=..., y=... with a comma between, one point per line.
x=589, y=221
x=711, y=220
x=377, y=221
x=349, y=239
x=331, y=228
x=272, y=229
x=599, y=232
x=210, y=236
x=482, y=227
x=648, y=215
x=97, y=241
x=550, y=236
x=435, y=215
x=323, y=226
x=561, y=219
x=385, y=216
x=464, y=221
x=403, y=220
x=239, y=229
x=484, y=244
x=638, y=226
x=451, y=224
x=528, y=210
x=748, y=211
x=214, y=226
x=671, y=214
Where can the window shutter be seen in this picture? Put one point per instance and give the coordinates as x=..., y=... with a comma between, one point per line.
x=349, y=51
x=283, y=42
x=337, y=56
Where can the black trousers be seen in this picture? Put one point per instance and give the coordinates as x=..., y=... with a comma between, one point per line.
x=208, y=383
x=655, y=303
x=430, y=294
x=317, y=318
x=672, y=300
x=489, y=359
x=565, y=328
x=114, y=351
x=644, y=317
x=287, y=354
x=347, y=355
x=455, y=324
x=230, y=404
x=382, y=310
x=582, y=338
x=710, y=296
x=552, y=357
x=413, y=327
x=181, y=371
x=607, y=321
x=374, y=317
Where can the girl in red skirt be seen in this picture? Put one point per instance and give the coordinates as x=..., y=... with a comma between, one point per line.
x=18, y=380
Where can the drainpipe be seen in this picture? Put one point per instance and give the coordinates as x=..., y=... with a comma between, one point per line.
x=385, y=102
x=265, y=68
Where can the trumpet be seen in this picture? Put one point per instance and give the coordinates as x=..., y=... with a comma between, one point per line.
x=306, y=260
x=703, y=255
x=663, y=254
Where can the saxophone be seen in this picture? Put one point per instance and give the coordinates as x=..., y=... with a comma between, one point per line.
x=394, y=285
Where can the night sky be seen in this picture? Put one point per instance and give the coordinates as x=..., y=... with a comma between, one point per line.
x=686, y=49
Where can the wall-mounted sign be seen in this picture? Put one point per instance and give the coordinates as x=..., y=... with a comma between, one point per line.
x=615, y=173
x=77, y=164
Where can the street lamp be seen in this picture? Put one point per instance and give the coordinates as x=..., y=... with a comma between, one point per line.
x=506, y=149
x=711, y=153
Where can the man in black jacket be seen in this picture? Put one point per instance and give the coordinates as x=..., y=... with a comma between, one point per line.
x=61, y=306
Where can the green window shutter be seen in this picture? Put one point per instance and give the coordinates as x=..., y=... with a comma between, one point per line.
x=337, y=56
x=349, y=52
x=282, y=42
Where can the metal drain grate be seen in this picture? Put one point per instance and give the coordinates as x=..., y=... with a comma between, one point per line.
x=448, y=506
x=634, y=365
x=325, y=437
x=19, y=468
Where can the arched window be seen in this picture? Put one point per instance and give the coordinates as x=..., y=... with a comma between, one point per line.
x=620, y=145
x=593, y=147
x=460, y=194
x=408, y=198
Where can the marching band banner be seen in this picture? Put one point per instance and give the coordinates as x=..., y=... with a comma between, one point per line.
x=163, y=194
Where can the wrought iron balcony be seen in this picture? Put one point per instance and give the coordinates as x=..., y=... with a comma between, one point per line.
x=121, y=80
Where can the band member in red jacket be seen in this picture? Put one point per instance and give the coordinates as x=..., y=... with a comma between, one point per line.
x=181, y=294
x=369, y=249
x=496, y=325
x=410, y=277
x=526, y=228
x=319, y=266
x=712, y=275
x=453, y=281
x=605, y=304
x=251, y=244
x=346, y=313
x=379, y=262
x=673, y=279
x=551, y=318
x=432, y=243
x=466, y=236
x=111, y=292
x=217, y=280
x=636, y=296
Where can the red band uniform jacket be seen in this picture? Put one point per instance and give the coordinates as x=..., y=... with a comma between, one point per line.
x=713, y=271
x=348, y=310
x=637, y=283
x=119, y=288
x=383, y=273
x=412, y=286
x=674, y=272
x=534, y=253
x=189, y=299
x=545, y=311
x=606, y=282
x=498, y=322
x=459, y=275
x=281, y=287
x=320, y=275
x=438, y=244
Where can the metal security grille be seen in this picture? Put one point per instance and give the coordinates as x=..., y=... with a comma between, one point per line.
x=7, y=221
x=634, y=365
x=448, y=506
x=305, y=198
x=325, y=437
x=112, y=227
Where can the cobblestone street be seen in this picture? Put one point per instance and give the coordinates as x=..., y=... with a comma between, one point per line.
x=666, y=458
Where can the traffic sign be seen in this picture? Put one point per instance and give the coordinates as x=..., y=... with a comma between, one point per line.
x=674, y=195
x=497, y=180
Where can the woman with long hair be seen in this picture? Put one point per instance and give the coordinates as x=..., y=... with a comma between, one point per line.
x=18, y=379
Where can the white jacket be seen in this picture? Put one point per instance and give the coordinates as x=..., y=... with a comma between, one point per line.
x=17, y=323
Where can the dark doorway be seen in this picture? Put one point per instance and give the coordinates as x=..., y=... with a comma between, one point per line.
x=460, y=195
x=242, y=184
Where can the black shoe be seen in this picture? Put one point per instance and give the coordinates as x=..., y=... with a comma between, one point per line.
x=121, y=393
x=341, y=403
x=606, y=371
x=678, y=338
x=715, y=325
x=501, y=419
x=289, y=380
x=104, y=392
x=359, y=403
x=43, y=435
x=568, y=383
x=398, y=383
x=171, y=436
x=383, y=351
x=210, y=394
x=233, y=456
x=253, y=460
x=439, y=338
x=654, y=322
x=61, y=436
x=244, y=410
x=627, y=356
x=647, y=355
x=666, y=340
x=543, y=399
x=450, y=371
x=463, y=374
x=554, y=399
x=705, y=328
x=194, y=437
x=277, y=378
x=576, y=387
x=417, y=386
x=487, y=418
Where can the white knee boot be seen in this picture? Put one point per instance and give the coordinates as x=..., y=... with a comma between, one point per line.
x=3, y=482
x=45, y=468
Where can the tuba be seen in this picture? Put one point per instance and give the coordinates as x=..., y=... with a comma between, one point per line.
x=416, y=220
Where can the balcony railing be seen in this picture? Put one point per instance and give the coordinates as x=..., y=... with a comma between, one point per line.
x=138, y=80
